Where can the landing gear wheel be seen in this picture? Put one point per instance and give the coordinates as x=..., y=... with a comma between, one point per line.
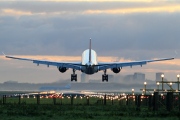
x=73, y=77
x=104, y=78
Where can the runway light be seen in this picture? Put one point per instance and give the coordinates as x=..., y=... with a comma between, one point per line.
x=170, y=83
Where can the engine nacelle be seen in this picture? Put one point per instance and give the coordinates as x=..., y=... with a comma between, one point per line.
x=116, y=70
x=62, y=69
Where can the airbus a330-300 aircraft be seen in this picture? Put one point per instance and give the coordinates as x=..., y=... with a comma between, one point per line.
x=89, y=64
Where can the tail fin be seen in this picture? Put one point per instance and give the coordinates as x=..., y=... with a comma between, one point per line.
x=90, y=51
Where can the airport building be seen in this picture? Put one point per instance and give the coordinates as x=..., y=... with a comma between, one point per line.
x=158, y=76
x=11, y=82
x=139, y=76
x=129, y=77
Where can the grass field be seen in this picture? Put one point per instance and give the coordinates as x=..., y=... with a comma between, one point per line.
x=76, y=112
x=80, y=110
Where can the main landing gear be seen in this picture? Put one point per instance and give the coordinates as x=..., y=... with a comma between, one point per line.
x=74, y=76
x=105, y=77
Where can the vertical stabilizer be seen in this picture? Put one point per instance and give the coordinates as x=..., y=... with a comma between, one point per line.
x=90, y=51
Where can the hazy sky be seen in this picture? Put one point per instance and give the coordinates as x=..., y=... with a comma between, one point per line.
x=129, y=29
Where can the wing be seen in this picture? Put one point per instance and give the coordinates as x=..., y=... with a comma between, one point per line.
x=103, y=66
x=73, y=65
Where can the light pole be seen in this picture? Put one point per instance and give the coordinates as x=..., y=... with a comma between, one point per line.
x=162, y=76
x=145, y=87
x=178, y=80
x=132, y=91
x=158, y=86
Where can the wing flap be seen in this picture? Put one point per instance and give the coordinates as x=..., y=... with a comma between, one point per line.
x=103, y=66
x=73, y=65
x=59, y=64
x=120, y=65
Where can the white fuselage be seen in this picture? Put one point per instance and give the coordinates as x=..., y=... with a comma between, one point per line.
x=88, y=65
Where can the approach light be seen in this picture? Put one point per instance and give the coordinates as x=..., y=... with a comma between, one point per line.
x=178, y=76
x=157, y=83
x=170, y=83
x=162, y=75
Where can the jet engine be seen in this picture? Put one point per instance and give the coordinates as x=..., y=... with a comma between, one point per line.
x=116, y=70
x=62, y=69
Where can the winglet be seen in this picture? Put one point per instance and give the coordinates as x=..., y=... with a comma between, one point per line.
x=3, y=54
x=176, y=53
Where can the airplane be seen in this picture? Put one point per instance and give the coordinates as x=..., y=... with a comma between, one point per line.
x=89, y=64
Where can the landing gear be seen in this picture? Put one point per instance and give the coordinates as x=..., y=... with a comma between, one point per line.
x=105, y=77
x=74, y=76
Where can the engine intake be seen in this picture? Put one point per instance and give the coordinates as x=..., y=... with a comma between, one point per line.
x=116, y=70
x=62, y=69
